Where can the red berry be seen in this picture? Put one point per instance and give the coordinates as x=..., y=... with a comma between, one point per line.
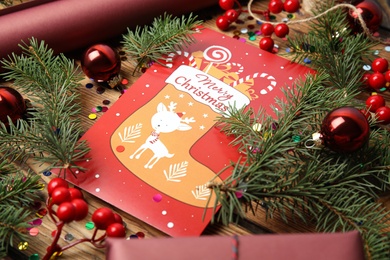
x=291, y=6
x=81, y=209
x=103, y=217
x=366, y=113
x=365, y=79
x=379, y=65
x=374, y=102
x=56, y=182
x=116, y=230
x=387, y=75
x=267, y=44
x=267, y=29
x=118, y=219
x=231, y=15
x=377, y=80
x=66, y=212
x=60, y=195
x=383, y=115
x=75, y=193
x=226, y=4
x=281, y=30
x=222, y=23
x=275, y=6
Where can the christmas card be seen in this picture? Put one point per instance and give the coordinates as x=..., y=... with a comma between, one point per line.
x=155, y=150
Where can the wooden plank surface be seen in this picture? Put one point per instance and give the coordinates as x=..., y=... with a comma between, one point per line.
x=254, y=224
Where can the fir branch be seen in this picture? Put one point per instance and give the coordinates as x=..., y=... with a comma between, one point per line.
x=52, y=132
x=166, y=34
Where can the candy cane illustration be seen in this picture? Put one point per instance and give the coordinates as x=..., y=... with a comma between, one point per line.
x=216, y=54
x=171, y=55
x=264, y=91
x=240, y=67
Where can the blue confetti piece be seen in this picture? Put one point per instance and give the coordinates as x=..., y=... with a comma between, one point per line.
x=47, y=173
x=307, y=60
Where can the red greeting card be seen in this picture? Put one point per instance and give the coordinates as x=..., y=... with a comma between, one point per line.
x=157, y=147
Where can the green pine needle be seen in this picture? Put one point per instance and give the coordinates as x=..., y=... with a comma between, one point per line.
x=166, y=34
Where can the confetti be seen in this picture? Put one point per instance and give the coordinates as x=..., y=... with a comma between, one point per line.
x=92, y=116
x=23, y=246
x=125, y=81
x=387, y=48
x=89, y=225
x=34, y=232
x=106, y=102
x=157, y=198
x=69, y=237
x=89, y=85
x=366, y=67
x=33, y=257
x=46, y=173
x=100, y=90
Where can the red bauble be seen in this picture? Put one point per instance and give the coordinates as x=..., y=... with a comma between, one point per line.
x=267, y=44
x=291, y=6
x=267, y=29
x=281, y=30
x=222, y=23
x=275, y=6
x=101, y=63
x=374, y=102
x=345, y=130
x=383, y=115
x=371, y=14
x=12, y=105
x=380, y=65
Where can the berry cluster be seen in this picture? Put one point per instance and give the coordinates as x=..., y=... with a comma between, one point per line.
x=376, y=104
x=66, y=204
x=231, y=15
x=380, y=76
x=267, y=29
x=277, y=6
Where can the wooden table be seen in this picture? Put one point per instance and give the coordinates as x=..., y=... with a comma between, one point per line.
x=253, y=224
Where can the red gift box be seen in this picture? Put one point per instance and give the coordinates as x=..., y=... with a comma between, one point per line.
x=318, y=246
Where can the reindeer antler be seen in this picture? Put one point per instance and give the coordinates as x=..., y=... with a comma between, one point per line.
x=172, y=106
x=188, y=120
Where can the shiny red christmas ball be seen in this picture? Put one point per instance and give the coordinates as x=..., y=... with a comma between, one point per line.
x=12, y=104
x=267, y=44
x=345, y=130
x=101, y=63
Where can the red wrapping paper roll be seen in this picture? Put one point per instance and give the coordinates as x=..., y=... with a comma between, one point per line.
x=67, y=25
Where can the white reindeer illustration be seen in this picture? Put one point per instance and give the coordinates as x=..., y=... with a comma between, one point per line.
x=164, y=121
